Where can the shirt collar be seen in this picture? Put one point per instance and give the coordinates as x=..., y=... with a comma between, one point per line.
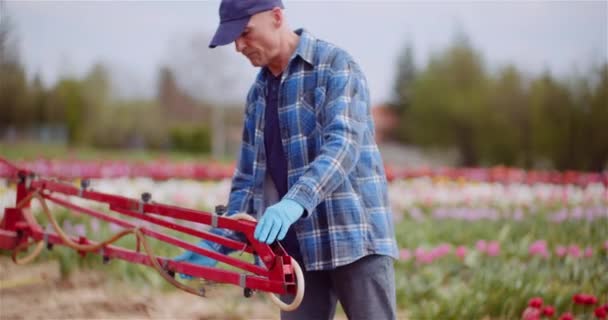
x=306, y=46
x=305, y=50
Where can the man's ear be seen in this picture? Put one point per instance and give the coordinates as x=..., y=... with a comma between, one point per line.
x=277, y=16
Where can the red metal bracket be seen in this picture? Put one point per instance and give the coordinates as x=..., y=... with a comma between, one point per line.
x=277, y=275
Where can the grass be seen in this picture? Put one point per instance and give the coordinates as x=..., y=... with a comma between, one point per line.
x=499, y=287
x=24, y=151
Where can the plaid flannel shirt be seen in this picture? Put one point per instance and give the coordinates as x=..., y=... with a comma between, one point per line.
x=335, y=170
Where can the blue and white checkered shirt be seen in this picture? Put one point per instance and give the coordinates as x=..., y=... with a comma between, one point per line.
x=335, y=170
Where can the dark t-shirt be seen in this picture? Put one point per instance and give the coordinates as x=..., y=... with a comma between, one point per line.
x=276, y=161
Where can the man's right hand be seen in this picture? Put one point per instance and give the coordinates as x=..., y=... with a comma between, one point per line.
x=196, y=258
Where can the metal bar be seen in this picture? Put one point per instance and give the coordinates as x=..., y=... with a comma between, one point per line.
x=236, y=245
x=209, y=273
x=168, y=239
x=8, y=239
x=246, y=227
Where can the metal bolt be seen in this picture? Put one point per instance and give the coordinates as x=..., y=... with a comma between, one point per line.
x=247, y=292
x=220, y=209
x=22, y=176
x=146, y=196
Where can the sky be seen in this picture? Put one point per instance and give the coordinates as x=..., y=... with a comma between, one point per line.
x=135, y=38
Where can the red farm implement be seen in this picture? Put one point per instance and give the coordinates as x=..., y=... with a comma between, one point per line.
x=277, y=274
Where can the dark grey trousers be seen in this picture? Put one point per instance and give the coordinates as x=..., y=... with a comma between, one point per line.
x=365, y=289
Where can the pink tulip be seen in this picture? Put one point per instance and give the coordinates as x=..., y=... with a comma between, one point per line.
x=561, y=251
x=115, y=227
x=461, y=252
x=493, y=248
x=67, y=227
x=481, y=246
x=588, y=252
x=574, y=251
x=442, y=250
x=422, y=256
x=80, y=230
x=539, y=248
x=95, y=226
x=405, y=254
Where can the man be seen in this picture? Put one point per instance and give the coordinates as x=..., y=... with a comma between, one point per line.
x=310, y=164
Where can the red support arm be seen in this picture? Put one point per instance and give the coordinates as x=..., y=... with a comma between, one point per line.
x=278, y=277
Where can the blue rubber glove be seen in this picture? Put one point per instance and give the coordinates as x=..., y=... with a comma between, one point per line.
x=276, y=221
x=196, y=258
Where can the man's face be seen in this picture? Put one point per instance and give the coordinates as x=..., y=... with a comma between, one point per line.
x=259, y=42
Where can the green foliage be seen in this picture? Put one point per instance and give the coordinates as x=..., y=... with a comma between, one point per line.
x=193, y=139
x=498, y=287
x=503, y=118
x=70, y=97
x=449, y=102
x=478, y=287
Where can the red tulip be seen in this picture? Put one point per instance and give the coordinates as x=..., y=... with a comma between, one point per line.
x=536, y=302
x=548, y=311
x=586, y=299
x=601, y=312
x=566, y=316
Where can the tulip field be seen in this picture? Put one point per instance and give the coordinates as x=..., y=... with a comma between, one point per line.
x=471, y=246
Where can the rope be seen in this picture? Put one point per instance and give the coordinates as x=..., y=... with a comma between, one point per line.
x=92, y=247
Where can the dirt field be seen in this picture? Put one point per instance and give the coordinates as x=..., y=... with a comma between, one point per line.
x=37, y=291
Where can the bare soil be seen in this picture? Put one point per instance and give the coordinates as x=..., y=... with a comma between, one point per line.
x=37, y=291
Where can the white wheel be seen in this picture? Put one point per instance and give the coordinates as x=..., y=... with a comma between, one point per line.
x=299, y=291
x=296, y=268
x=242, y=216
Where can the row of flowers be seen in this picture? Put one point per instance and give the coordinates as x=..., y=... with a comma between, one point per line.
x=583, y=212
x=493, y=248
x=162, y=169
x=425, y=192
x=467, y=201
x=537, y=308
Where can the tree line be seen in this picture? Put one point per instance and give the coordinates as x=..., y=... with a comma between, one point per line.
x=506, y=117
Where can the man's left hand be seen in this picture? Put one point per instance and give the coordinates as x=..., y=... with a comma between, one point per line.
x=276, y=221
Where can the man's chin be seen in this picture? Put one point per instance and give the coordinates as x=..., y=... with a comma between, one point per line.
x=256, y=62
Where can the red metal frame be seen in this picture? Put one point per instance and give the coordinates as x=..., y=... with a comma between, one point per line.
x=278, y=276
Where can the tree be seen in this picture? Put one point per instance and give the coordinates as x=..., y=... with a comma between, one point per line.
x=206, y=75
x=68, y=96
x=553, y=125
x=13, y=82
x=597, y=134
x=38, y=100
x=511, y=114
x=404, y=81
x=450, y=101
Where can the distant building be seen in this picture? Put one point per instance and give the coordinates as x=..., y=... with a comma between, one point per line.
x=386, y=121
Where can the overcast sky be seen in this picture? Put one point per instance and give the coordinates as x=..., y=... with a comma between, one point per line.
x=135, y=38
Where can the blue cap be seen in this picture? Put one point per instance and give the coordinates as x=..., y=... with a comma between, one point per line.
x=234, y=16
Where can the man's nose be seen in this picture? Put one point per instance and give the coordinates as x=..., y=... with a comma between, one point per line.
x=239, y=44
